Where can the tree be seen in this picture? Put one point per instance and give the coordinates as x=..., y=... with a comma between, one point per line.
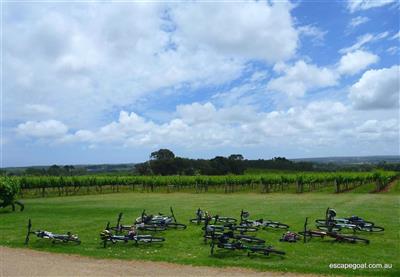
x=9, y=189
x=162, y=154
x=236, y=157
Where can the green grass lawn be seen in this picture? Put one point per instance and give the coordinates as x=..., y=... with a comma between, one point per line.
x=88, y=215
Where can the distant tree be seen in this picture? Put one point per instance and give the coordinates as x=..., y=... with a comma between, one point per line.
x=162, y=154
x=54, y=170
x=236, y=157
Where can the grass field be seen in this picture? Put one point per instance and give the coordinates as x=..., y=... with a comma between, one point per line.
x=88, y=215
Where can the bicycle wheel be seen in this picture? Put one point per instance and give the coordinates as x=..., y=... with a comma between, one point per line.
x=312, y=234
x=244, y=228
x=226, y=220
x=370, y=228
x=173, y=225
x=153, y=228
x=353, y=239
x=326, y=228
x=249, y=239
x=217, y=228
x=148, y=239
x=276, y=225
x=196, y=221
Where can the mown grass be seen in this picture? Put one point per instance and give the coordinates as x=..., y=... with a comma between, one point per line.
x=88, y=215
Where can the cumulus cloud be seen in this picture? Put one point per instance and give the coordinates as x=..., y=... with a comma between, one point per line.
x=354, y=62
x=42, y=129
x=359, y=5
x=227, y=28
x=377, y=89
x=88, y=60
x=301, y=77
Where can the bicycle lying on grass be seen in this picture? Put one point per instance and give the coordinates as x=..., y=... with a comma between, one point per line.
x=332, y=234
x=169, y=222
x=69, y=237
x=119, y=228
x=354, y=223
x=260, y=223
x=107, y=236
x=229, y=230
x=229, y=243
x=202, y=215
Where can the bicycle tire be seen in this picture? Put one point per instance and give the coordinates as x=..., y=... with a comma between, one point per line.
x=276, y=225
x=152, y=228
x=178, y=226
x=353, y=239
x=326, y=228
x=373, y=229
x=226, y=220
x=311, y=234
x=249, y=239
x=149, y=239
x=244, y=228
x=196, y=221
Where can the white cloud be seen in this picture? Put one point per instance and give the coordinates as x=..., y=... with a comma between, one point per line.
x=363, y=40
x=40, y=129
x=227, y=28
x=395, y=36
x=357, y=21
x=377, y=89
x=302, y=77
x=393, y=50
x=89, y=60
x=358, y=5
x=354, y=62
x=314, y=32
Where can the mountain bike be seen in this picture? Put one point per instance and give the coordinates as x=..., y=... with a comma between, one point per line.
x=107, y=236
x=260, y=223
x=355, y=223
x=68, y=237
x=307, y=233
x=162, y=220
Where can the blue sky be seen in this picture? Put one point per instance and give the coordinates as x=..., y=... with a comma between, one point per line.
x=110, y=82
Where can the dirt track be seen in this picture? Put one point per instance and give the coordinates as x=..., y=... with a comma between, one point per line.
x=24, y=262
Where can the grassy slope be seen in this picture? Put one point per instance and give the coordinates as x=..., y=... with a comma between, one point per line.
x=87, y=215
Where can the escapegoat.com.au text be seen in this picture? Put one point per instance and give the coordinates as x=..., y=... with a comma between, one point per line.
x=360, y=266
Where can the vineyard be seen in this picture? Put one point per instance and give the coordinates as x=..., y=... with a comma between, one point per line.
x=265, y=183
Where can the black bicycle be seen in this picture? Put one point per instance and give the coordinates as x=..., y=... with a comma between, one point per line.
x=169, y=222
x=107, y=236
x=68, y=237
x=355, y=223
x=309, y=234
x=202, y=215
x=226, y=242
x=119, y=228
x=260, y=223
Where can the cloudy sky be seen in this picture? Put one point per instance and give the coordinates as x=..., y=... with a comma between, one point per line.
x=109, y=82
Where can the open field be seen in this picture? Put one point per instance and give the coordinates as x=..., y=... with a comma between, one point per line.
x=87, y=216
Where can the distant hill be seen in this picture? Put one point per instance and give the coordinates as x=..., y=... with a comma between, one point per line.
x=352, y=160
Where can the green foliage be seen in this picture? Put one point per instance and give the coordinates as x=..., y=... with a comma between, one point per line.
x=9, y=188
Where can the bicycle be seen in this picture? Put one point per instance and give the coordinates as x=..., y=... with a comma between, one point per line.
x=169, y=222
x=263, y=223
x=201, y=217
x=355, y=223
x=224, y=242
x=322, y=234
x=69, y=237
x=106, y=236
x=119, y=228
